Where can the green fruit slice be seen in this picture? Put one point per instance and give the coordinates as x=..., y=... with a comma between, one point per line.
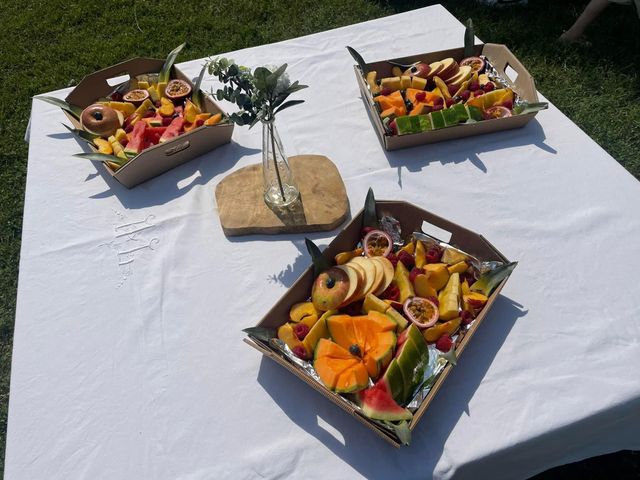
x=393, y=376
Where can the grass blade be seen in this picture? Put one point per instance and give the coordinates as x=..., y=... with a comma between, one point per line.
x=73, y=110
x=168, y=63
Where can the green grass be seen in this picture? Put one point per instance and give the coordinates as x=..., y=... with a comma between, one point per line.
x=51, y=44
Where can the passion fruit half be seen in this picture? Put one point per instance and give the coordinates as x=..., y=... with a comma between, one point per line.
x=476, y=63
x=377, y=243
x=496, y=112
x=136, y=96
x=421, y=311
x=100, y=119
x=177, y=90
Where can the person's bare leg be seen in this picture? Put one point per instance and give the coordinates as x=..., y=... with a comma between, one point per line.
x=591, y=12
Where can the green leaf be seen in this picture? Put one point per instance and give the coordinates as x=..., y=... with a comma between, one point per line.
x=295, y=86
x=260, y=76
x=261, y=333
x=73, y=110
x=469, y=40
x=272, y=80
x=530, y=107
x=370, y=216
x=402, y=431
x=359, y=60
x=101, y=157
x=168, y=63
x=82, y=134
x=198, y=95
x=288, y=104
x=320, y=263
x=490, y=280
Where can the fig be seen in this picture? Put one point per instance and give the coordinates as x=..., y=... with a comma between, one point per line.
x=100, y=119
x=421, y=311
x=421, y=70
x=136, y=96
x=377, y=244
x=476, y=63
x=177, y=90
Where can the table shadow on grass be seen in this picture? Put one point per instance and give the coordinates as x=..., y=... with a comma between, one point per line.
x=354, y=443
x=171, y=184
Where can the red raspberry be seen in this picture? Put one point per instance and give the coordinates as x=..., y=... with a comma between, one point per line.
x=366, y=230
x=449, y=102
x=437, y=108
x=474, y=86
x=391, y=293
x=393, y=258
x=420, y=96
x=467, y=317
x=507, y=104
x=166, y=121
x=487, y=87
x=386, y=91
x=124, y=142
x=415, y=271
x=149, y=114
x=434, y=255
x=465, y=94
x=300, y=352
x=129, y=129
x=444, y=343
x=407, y=259
x=354, y=308
x=397, y=305
x=452, y=89
x=116, y=96
x=393, y=127
x=478, y=93
x=199, y=122
x=438, y=101
x=301, y=330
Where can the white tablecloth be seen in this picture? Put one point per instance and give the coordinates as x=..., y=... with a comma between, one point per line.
x=128, y=356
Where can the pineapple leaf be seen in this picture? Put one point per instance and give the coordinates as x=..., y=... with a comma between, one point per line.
x=168, y=63
x=198, y=95
x=261, y=333
x=73, y=110
x=490, y=280
x=82, y=134
x=530, y=107
x=320, y=263
x=359, y=60
x=101, y=157
x=369, y=216
x=469, y=39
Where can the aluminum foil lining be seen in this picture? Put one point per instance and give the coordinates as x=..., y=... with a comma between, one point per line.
x=496, y=77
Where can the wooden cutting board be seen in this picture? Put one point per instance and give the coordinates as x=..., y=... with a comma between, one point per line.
x=323, y=203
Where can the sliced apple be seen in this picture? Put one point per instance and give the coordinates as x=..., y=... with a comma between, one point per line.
x=379, y=281
x=369, y=273
x=463, y=75
x=450, y=68
x=353, y=284
x=387, y=270
x=359, y=293
x=436, y=68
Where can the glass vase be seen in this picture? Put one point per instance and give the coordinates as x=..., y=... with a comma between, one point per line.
x=280, y=188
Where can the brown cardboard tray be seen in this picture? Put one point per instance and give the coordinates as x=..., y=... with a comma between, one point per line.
x=501, y=58
x=411, y=218
x=157, y=159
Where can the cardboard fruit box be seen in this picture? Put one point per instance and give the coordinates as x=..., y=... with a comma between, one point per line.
x=499, y=56
x=411, y=218
x=156, y=159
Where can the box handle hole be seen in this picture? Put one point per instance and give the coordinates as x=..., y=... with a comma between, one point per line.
x=121, y=78
x=436, y=232
x=511, y=73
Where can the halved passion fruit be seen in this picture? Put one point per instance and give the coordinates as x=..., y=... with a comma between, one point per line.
x=177, y=89
x=421, y=311
x=377, y=243
x=496, y=112
x=136, y=96
x=476, y=63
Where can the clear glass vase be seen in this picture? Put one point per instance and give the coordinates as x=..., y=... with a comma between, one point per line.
x=280, y=188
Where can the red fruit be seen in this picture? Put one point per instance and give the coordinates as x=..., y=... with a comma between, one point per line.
x=128, y=128
x=355, y=308
x=166, y=121
x=438, y=101
x=393, y=258
x=444, y=343
x=301, y=330
x=478, y=93
x=421, y=70
x=124, y=142
x=386, y=91
x=487, y=87
x=199, y=122
x=437, y=108
x=474, y=86
x=397, y=305
x=149, y=113
x=300, y=352
x=452, y=89
x=434, y=300
x=465, y=94
x=467, y=317
x=377, y=243
x=391, y=293
x=449, y=102
x=507, y=104
x=393, y=127
x=407, y=259
x=415, y=271
x=496, y=112
x=366, y=230
x=420, y=96
x=116, y=96
x=433, y=255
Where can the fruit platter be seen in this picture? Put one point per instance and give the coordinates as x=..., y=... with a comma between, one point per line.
x=384, y=312
x=152, y=120
x=449, y=94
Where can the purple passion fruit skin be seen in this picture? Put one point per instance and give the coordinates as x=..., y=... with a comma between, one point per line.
x=421, y=311
x=476, y=63
x=177, y=90
x=136, y=96
x=377, y=244
x=496, y=112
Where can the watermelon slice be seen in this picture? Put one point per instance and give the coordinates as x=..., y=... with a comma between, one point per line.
x=137, y=139
x=153, y=134
x=173, y=130
x=377, y=403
